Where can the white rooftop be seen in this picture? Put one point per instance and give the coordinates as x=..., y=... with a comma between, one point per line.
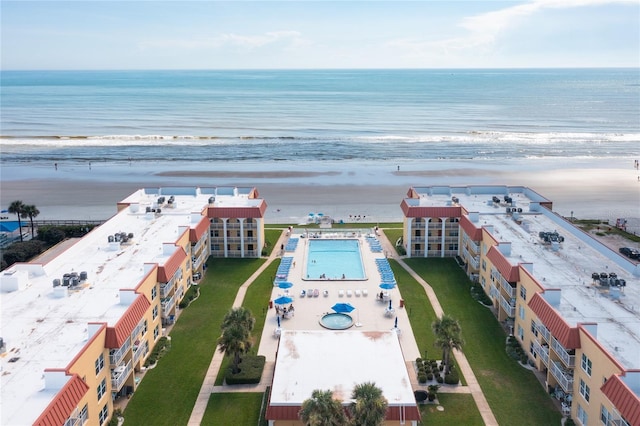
x=339, y=360
x=568, y=268
x=46, y=330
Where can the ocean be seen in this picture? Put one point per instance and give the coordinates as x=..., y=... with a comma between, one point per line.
x=337, y=116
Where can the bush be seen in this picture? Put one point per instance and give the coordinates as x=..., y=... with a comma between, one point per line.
x=251, y=368
x=452, y=378
x=163, y=345
x=192, y=293
x=430, y=376
x=569, y=422
x=422, y=378
x=439, y=379
x=419, y=361
x=22, y=251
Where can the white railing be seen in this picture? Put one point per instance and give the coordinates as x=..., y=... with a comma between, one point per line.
x=140, y=350
x=541, y=351
x=198, y=262
x=166, y=288
x=167, y=304
x=138, y=329
x=508, y=307
x=544, y=331
x=115, y=356
x=564, y=377
x=511, y=291
x=569, y=360
x=119, y=375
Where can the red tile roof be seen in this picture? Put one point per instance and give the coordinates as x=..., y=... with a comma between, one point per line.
x=507, y=270
x=238, y=212
x=117, y=335
x=171, y=265
x=64, y=403
x=568, y=336
x=199, y=230
x=290, y=412
x=414, y=211
x=626, y=402
x=474, y=232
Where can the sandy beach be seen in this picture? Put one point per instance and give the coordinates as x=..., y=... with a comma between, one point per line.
x=590, y=188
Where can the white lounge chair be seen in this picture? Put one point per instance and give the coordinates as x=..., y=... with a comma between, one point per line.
x=349, y=293
x=340, y=293
x=365, y=292
x=325, y=293
x=358, y=293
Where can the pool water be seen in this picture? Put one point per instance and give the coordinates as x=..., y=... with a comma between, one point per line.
x=334, y=260
x=336, y=321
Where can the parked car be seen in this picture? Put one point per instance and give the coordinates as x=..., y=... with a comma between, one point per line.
x=631, y=253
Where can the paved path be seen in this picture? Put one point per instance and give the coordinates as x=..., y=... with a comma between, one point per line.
x=472, y=383
x=208, y=386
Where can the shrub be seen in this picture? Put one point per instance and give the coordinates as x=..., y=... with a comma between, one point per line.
x=251, y=368
x=439, y=379
x=569, y=422
x=22, y=251
x=422, y=378
x=430, y=376
x=452, y=378
x=419, y=361
x=191, y=294
x=159, y=349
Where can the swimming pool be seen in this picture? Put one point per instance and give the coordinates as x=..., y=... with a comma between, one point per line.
x=336, y=321
x=334, y=259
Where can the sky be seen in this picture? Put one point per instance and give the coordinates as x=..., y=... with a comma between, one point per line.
x=76, y=35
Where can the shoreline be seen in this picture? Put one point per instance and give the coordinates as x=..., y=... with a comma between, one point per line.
x=590, y=188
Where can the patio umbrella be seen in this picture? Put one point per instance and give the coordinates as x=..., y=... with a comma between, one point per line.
x=279, y=320
x=390, y=307
x=343, y=307
x=395, y=326
x=285, y=284
x=387, y=286
x=283, y=300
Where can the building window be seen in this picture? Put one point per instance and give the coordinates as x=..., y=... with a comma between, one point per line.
x=102, y=389
x=520, y=332
x=104, y=414
x=84, y=414
x=156, y=332
x=483, y=281
x=586, y=365
x=582, y=415
x=250, y=233
x=154, y=293
x=144, y=327
x=523, y=293
x=484, y=265
x=605, y=416
x=99, y=364
x=521, y=311
x=534, y=329
x=154, y=313
x=584, y=390
x=531, y=351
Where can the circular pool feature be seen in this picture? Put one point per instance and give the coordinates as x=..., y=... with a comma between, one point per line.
x=336, y=321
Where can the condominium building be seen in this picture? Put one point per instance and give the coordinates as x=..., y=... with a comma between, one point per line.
x=571, y=302
x=77, y=330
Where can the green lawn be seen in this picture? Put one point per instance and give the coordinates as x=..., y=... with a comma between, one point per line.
x=513, y=392
x=236, y=408
x=168, y=392
x=459, y=409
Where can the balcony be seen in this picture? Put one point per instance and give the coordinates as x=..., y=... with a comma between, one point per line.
x=139, y=350
x=473, y=247
x=506, y=286
x=119, y=375
x=544, y=331
x=167, y=304
x=195, y=265
x=541, y=351
x=568, y=359
x=474, y=262
x=508, y=306
x=166, y=288
x=563, y=376
x=116, y=355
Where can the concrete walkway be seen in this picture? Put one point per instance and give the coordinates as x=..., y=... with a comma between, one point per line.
x=472, y=383
x=208, y=386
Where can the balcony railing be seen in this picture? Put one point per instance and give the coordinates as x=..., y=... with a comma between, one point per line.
x=568, y=359
x=475, y=262
x=563, y=376
x=473, y=247
x=116, y=355
x=139, y=350
x=511, y=291
x=198, y=262
x=167, y=304
x=541, y=351
x=508, y=306
x=166, y=288
x=119, y=375
x=544, y=331
x=417, y=225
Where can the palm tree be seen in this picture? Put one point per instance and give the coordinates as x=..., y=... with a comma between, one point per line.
x=30, y=211
x=17, y=207
x=322, y=410
x=448, y=337
x=236, y=335
x=240, y=316
x=369, y=406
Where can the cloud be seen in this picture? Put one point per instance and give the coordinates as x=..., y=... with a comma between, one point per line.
x=483, y=30
x=249, y=42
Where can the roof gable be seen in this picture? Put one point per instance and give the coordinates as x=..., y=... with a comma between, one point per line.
x=63, y=404
x=506, y=269
x=626, y=402
x=568, y=336
x=474, y=232
x=171, y=265
x=117, y=335
x=199, y=230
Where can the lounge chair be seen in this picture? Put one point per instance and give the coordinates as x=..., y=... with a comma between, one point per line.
x=325, y=293
x=349, y=293
x=316, y=293
x=358, y=293
x=340, y=293
x=365, y=292
x=303, y=293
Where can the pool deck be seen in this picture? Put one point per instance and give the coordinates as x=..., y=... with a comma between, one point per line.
x=369, y=314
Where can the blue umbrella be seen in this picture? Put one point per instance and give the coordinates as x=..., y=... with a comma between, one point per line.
x=283, y=300
x=387, y=286
x=343, y=307
x=285, y=284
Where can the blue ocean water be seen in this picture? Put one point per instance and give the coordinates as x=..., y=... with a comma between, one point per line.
x=318, y=115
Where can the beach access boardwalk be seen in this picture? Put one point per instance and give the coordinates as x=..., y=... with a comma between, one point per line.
x=208, y=386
